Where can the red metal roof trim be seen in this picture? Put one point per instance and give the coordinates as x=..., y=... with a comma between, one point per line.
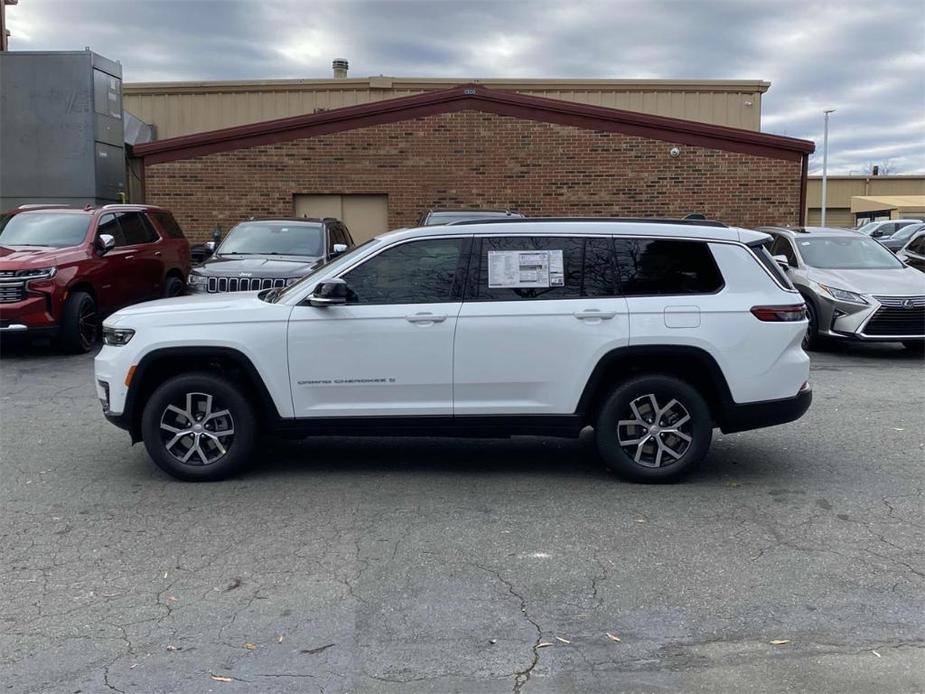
x=479, y=98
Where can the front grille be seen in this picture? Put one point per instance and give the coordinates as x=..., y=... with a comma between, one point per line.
x=899, y=315
x=12, y=291
x=244, y=284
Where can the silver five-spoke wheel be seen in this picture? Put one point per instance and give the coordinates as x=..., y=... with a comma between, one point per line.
x=196, y=430
x=655, y=435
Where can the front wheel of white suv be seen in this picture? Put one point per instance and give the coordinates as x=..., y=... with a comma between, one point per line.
x=199, y=427
x=653, y=428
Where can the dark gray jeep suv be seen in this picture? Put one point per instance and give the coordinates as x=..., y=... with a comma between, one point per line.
x=263, y=253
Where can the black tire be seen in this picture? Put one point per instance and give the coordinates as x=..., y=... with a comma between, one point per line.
x=812, y=339
x=915, y=346
x=173, y=286
x=80, y=325
x=238, y=447
x=698, y=427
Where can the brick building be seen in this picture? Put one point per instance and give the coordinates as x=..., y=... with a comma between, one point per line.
x=380, y=165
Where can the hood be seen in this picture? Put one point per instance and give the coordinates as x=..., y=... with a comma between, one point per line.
x=192, y=304
x=28, y=257
x=258, y=266
x=905, y=281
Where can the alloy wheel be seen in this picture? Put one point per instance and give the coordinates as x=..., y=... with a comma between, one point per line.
x=655, y=435
x=196, y=430
x=87, y=326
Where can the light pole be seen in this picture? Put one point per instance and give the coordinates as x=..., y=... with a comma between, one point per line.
x=825, y=159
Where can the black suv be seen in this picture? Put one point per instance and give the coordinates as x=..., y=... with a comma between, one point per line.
x=272, y=252
x=437, y=217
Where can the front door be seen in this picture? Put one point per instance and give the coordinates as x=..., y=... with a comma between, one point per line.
x=389, y=351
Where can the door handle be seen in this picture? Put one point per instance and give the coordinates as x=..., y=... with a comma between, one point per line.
x=425, y=318
x=157, y=253
x=130, y=257
x=594, y=314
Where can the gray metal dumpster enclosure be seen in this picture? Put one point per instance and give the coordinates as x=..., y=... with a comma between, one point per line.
x=61, y=129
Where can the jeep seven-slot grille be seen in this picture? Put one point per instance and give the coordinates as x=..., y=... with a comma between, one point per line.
x=898, y=315
x=245, y=284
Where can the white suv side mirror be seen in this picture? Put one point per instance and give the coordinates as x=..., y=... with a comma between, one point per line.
x=329, y=293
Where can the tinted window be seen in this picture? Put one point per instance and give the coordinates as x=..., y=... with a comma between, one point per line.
x=136, y=229
x=565, y=267
x=764, y=257
x=110, y=225
x=917, y=246
x=43, y=229
x=420, y=272
x=781, y=246
x=168, y=224
x=655, y=266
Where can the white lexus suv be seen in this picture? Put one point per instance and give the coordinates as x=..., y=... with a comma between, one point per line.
x=652, y=332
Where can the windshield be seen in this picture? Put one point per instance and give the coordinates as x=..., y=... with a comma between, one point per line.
x=906, y=232
x=43, y=229
x=274, y=238
x=847, y=253
x=339, y=261
x=437, y=218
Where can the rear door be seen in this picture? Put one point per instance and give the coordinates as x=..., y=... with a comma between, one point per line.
x=145, y=253
x=539, y=312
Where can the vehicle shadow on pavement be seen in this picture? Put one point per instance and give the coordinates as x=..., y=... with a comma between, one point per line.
x=531, y=457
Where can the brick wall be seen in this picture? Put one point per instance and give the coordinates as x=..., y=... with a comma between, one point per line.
x=471, y=158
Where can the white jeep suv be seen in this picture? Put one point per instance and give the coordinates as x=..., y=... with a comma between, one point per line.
x=652, y=332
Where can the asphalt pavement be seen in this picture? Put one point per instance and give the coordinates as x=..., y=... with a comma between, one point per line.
x=793, y=561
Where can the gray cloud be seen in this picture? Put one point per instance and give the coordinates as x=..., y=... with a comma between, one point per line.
x=867, y=60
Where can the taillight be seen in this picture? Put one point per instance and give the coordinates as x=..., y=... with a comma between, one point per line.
x=780, y=314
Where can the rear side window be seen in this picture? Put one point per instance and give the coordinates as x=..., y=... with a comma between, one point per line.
x=651, y=267
x=168, y=224
x=542, y=267
x=135, y=229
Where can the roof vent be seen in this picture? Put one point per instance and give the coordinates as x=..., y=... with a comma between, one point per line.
x=340, y=66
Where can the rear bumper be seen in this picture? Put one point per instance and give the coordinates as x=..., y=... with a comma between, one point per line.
x=756, y=415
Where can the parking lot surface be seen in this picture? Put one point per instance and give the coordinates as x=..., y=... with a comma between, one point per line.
x=792, y=561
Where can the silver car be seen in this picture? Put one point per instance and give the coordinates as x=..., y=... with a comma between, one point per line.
x=853, y=286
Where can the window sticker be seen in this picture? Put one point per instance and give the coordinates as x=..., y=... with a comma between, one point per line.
x=522, y=269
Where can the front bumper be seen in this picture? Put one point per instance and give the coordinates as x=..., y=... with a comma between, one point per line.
x=768, y=413
x=883, y=320
x=32, y=314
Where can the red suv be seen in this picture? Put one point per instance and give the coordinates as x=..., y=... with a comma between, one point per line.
x=63, y=269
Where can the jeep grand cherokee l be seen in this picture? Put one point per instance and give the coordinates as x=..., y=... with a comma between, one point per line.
x=652, y=333
x=264, y=253
x=62, y=269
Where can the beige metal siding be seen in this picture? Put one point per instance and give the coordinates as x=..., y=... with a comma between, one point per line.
x=840, y=190
x=183, y=108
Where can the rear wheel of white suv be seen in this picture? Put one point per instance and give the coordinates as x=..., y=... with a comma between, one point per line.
x=199, y=427
x=653, y=428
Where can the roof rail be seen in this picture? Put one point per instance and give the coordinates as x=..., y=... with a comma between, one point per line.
x=39, y=205
x=628, y=220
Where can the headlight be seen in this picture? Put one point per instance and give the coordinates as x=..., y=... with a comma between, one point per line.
x=844, y=295
x=117, y=336
x=198, y=280
x=45, y=273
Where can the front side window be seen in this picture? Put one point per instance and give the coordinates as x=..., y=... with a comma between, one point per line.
x=520, y=268
x=847, y=253
x=109, y=224
x=917, y=246
x=419, y=272
x=43, y=229
x=650, y=267
x=781, y=246
x=275, y=238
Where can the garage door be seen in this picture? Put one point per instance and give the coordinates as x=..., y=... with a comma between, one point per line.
x=364, y=215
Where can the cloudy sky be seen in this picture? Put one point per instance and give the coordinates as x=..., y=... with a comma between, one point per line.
x=865, y=58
